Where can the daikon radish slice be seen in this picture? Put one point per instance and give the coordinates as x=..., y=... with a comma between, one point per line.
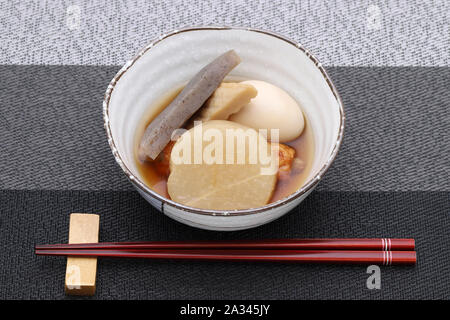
x=228, y=176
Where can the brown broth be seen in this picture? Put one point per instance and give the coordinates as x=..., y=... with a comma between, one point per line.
x=295, y=179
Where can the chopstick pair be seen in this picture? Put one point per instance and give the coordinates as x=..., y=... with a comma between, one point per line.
x=384, y=251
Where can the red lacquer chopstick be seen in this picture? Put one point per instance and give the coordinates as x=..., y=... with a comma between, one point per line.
x=385, y=244
x=302, y=256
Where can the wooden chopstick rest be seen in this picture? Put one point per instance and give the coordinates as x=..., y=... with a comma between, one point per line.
x=81, y=271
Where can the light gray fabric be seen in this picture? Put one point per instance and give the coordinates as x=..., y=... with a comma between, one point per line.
x=340, y=33
x=396, y=137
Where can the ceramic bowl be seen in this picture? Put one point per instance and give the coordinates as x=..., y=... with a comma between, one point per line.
x=172, y=59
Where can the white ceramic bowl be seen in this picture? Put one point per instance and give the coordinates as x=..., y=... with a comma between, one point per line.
x=172, y=59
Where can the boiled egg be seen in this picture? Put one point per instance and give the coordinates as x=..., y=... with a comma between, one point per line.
x=272, y=108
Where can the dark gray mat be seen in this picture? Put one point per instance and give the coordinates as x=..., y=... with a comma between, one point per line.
x=54, y=160
x=397, y=135
x=30, y=217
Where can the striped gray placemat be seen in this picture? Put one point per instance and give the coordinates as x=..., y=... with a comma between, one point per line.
x=390, y=62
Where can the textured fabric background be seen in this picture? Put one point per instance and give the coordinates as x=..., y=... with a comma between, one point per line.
x=390, y=62
x=30, y=217
x=108, y=32
x=396, y=133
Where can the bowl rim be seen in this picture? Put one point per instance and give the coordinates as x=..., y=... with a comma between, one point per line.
x=221, y=213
